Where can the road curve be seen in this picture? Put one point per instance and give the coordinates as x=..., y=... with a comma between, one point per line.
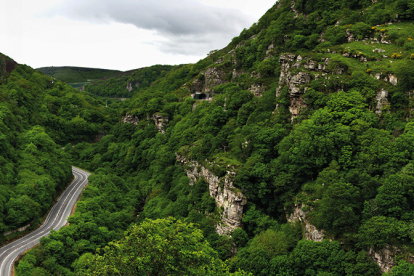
x=56, y=218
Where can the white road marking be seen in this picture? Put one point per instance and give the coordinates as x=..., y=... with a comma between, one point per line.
x=24, y=243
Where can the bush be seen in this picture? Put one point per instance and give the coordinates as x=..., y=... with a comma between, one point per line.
x=361, y=30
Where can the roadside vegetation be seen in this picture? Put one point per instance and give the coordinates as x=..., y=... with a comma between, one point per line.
x=344, y=159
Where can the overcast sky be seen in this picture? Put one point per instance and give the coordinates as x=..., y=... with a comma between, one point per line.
x=121, y=34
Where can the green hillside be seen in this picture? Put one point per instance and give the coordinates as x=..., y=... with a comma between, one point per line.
x=37, y=116
x=77, y=76
x=126, y=84
x=288, y=152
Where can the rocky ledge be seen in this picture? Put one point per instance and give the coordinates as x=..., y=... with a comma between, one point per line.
x=130, y=119
x=311, y=232
x=227, y=197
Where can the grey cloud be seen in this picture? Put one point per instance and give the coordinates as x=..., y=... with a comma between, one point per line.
x=188, y=26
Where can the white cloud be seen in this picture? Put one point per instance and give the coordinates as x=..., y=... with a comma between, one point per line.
x=121, y=35
x=185, y=26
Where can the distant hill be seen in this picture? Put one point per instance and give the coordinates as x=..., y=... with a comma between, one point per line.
x=128, y=83
x=77, y=76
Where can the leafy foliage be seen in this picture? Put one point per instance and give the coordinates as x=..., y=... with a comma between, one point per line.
x=347, y=162
x=137, y=80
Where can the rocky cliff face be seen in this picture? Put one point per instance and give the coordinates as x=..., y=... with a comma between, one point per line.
x=130, y=85
x=382, y=101
x=213, y=77
x=297, y=83
x=385, y=256
x=227, y=197
x=160, y=122
x=130, y=119
x=217, y=74
x=311, y=232
x=297, y=73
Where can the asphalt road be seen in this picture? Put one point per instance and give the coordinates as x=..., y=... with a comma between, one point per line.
x=56, y=219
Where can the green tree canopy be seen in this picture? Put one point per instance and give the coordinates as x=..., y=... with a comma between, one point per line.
x=157, y=247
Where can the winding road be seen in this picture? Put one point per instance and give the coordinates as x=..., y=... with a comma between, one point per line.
x=56, y=219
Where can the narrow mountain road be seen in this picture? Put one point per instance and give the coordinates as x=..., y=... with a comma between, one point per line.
x=56, y=218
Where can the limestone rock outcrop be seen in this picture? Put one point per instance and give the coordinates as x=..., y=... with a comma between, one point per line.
x=130, y=85
x=222, y=189
x=207, y=80
x=382, y=100
x=130, y=119
x=393, y=79
x=256, y=89
x=311, y=232
x=213, y=77
x=160, y=122
x=384, y=257
x=296, y=74
x=293, y=82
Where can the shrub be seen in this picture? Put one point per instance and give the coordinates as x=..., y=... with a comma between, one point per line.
x=361, y=30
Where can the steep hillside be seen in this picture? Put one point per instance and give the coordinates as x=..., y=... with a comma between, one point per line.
x=291, y=149
x=77, y=76
x=37, y=113
x=126, y=84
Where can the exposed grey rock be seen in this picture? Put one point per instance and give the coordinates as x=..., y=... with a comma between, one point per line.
x=269, y=51
x=256, y=90
x=227, y=197
x=393, y=79
x=292, y=7
x=321, y=67
x=298, y=83
x=160, y=122
x=310, y=65
x=296, y=105
x=311, y=232
x=286, y=58
x=130, y=84
x=130, y=119
x=362, y=59
x=384, y=257
x=384, y=40
x=299, y=79
x=213, y=77
x=196, y=85
x=236, y=73
x=349, y=36
x=381, y=100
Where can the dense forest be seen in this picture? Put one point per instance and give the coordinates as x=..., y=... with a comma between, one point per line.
x=37, y=116
x=288, y=152
x=126, y=84
x=77, y=76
